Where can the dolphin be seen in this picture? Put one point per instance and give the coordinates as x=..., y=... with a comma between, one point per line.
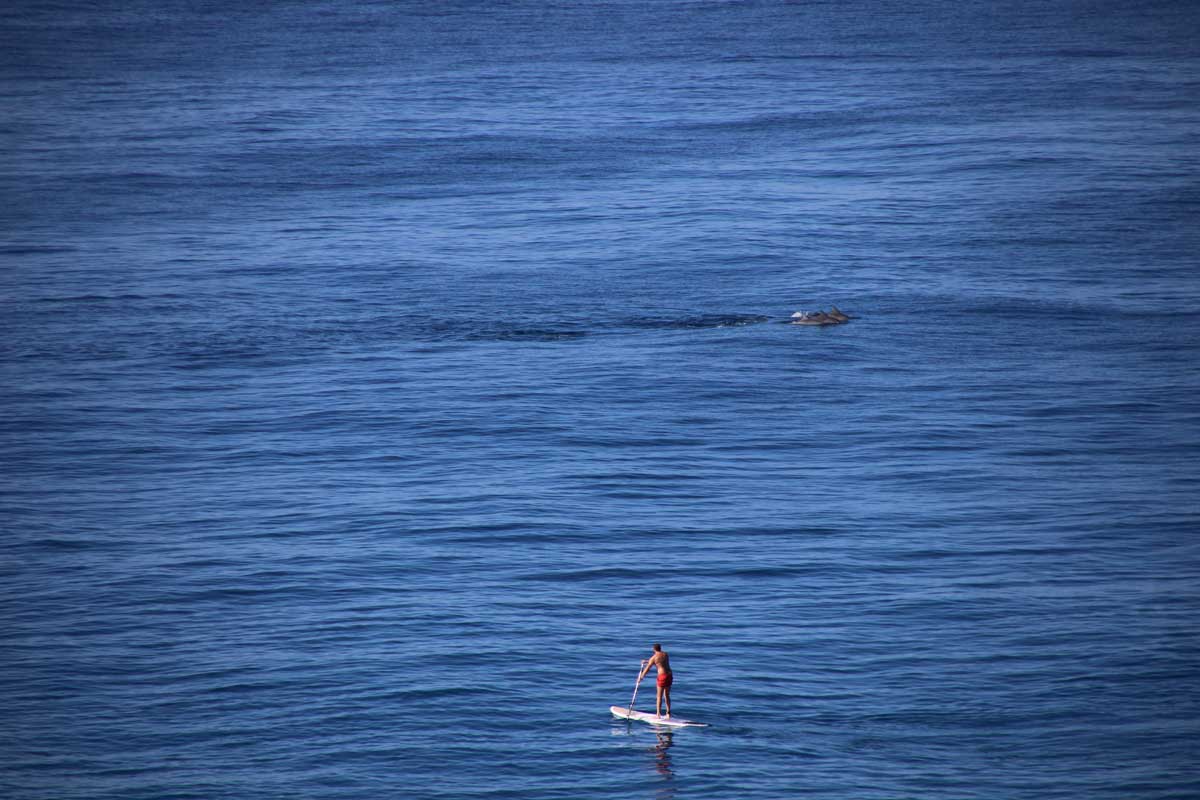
x=812, y=318
x=834, y=317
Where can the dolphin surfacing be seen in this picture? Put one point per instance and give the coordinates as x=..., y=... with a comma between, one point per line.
x=834, y=316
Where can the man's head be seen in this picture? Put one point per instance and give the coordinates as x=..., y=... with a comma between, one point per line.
x=657, y=647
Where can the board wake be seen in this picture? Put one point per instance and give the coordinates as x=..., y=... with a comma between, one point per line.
x=643, y=716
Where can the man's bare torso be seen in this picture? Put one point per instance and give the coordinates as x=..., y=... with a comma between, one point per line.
x=662, y=661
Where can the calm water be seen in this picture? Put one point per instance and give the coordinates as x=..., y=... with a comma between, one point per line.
x=382, y=379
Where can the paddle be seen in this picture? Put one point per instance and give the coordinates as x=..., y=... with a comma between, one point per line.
x=636, y=685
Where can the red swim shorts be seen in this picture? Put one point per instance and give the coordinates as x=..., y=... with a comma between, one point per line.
x=664, y=679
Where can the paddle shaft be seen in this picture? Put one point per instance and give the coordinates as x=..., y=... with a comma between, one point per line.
x=636, y=684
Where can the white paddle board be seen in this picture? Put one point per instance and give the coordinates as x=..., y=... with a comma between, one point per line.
x=624, y=713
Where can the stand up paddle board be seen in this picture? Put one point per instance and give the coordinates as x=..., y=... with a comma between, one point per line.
x=643, y=716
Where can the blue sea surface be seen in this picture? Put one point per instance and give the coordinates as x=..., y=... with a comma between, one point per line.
x=382, y=379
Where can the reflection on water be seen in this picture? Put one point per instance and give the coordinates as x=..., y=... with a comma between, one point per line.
x=662, y=760
x=663, y=741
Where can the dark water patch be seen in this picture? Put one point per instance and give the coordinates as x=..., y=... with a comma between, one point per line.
x=623, y=441
x=527, y=335
x=695, y=322
x=670, y=574
x=619, y=478
x=568, y=576
x=69, y=544
x=1090, y=409
x=554, y=536
x=32, y=250
x=841, y=121
x=112, y=298
x=1089, y=53
x=132, y=179
x=649, y=494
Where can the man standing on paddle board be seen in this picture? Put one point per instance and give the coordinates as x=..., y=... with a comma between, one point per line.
x=661, y=660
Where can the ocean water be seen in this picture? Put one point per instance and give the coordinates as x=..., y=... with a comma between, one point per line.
x=381, y=379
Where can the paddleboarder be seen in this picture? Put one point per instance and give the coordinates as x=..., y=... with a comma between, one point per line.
x=661, y=660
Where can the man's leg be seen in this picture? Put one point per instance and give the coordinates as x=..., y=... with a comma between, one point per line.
x=658, y=698
x=667, y=696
